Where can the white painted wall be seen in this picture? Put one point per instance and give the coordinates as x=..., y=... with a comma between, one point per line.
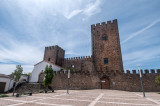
x=39, y=68
x=23, y=77
x=9, y=83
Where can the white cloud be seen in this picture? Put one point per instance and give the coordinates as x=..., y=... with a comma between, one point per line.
x=88, y=9
x=140, y=31
x=68, y=8
x=9, y=68
x=142, y=57
x=92, y=8
x=17, y=51
x=34, y=24
x=73, y=13
x=27, y=17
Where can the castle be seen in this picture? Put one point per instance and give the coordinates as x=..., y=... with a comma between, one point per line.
x=106, y=51
x=103, y=69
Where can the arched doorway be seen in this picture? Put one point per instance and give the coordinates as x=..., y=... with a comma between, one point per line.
x=41, y=77
x=105, y=82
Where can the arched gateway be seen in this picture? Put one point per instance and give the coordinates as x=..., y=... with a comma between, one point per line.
x=105, y=82
x=41, y=77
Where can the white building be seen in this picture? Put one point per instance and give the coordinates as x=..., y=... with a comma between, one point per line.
x=6, y=83
x=24, y=78
x=39, y=69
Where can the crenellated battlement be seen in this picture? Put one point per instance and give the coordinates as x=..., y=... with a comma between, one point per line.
x=78, y=58
x=104, y=23
x=103, y=69
x=115, y=72
x=71, y=72
x=54, y=47
x=145, y=71
x=50, y=47
x=54, y=55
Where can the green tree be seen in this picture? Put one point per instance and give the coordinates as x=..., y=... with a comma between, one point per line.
x=17, y=75
x=157, y=80
x=61, y=69
x=70, y=68
x=48, y=75
x=29, y=73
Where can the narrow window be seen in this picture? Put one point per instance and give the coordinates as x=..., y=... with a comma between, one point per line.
x=48, y=59
x=104, y=38
x=105, y=60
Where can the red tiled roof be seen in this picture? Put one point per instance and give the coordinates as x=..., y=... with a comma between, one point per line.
x=4, y=76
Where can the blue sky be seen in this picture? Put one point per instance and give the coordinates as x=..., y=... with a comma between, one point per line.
x=27, y=26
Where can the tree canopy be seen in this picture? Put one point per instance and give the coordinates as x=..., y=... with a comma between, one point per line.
x=157, y=80
x=70, y=68
x=48, y=74
x=17, y=73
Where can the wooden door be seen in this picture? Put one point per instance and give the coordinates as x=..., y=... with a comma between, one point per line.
x=2, y=86
x=105, y=84
x=41, y=77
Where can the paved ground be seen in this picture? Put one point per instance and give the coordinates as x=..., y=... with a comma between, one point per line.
x=84, y=98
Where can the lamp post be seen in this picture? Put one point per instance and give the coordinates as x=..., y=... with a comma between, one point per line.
x=72, y=66
x=68, y=81
x=140, y=74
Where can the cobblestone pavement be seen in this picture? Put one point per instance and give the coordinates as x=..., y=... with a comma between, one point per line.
x=85, y=98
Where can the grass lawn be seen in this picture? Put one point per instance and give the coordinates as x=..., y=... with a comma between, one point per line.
x=3, y=95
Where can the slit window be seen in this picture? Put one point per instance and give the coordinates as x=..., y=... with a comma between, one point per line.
x=105, y=60
x=104, y=38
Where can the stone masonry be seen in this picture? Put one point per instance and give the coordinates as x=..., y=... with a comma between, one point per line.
x=103, y=69
x=117, y=80
x=106, y=44
x=54, y=55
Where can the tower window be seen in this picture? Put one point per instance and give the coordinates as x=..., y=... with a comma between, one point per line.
x=49, y=59
x=105, y=60
x=104, y=38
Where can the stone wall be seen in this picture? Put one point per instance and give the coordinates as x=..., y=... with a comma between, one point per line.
x=106, y=44
x=54, y=55
x=80, y=63
x=29, y=87
x=78, y=80
x=91, y=70
x=118, y=80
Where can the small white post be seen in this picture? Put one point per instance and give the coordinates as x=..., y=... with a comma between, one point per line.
x=140, y=74
x=68, y=73
x=68, y=81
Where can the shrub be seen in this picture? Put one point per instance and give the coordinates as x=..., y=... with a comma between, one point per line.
x=25, y=94
x=48, y=74
x=41, y=91
x=3, y=95
x=157, y=80
x=61, y=69
x=70, y=68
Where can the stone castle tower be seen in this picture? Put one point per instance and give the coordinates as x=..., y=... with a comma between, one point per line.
x=54, y=55
x=106, y=50
x=103, y=69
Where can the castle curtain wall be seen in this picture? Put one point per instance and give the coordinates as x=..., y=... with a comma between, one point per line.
x=118, y=81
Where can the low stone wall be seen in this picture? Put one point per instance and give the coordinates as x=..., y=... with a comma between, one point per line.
x=29, y=87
